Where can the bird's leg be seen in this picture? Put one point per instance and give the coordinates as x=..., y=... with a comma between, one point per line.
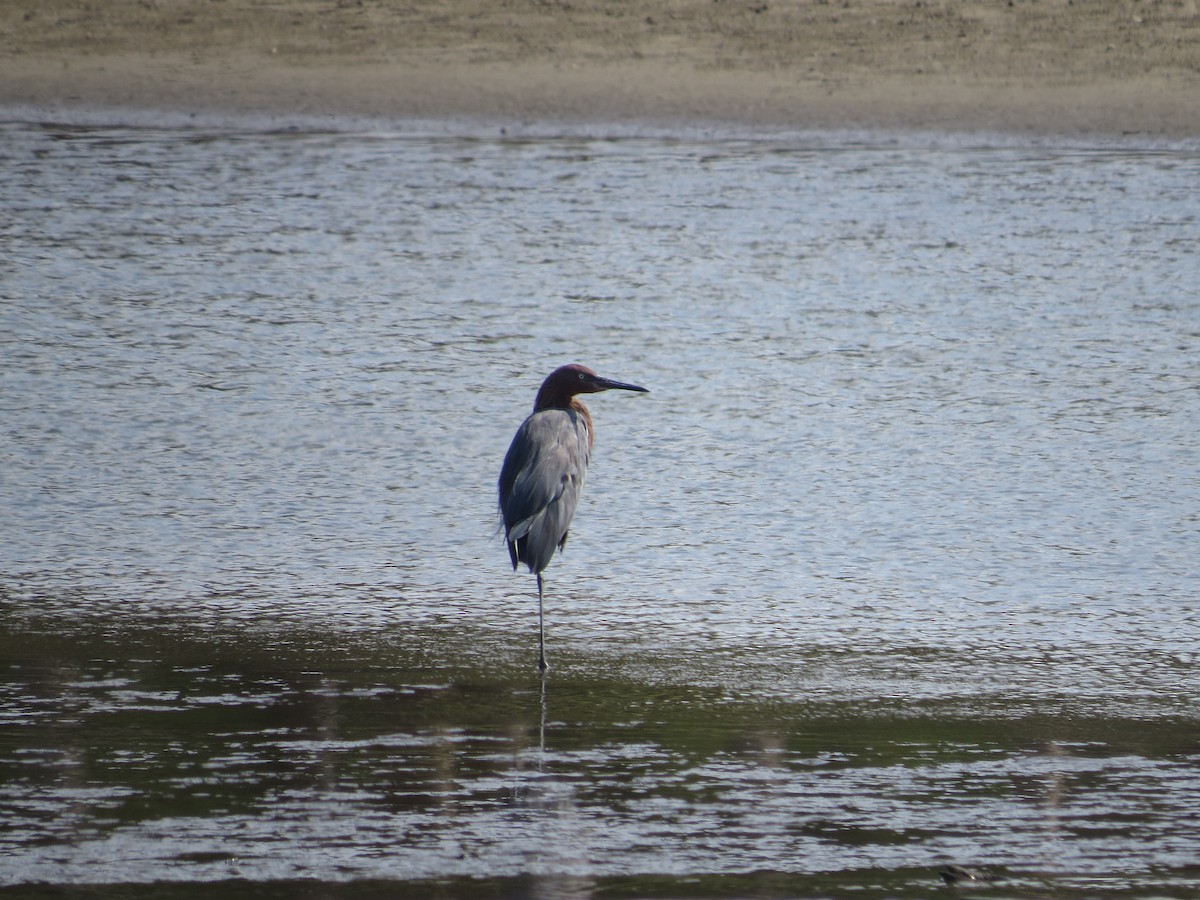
x=542, y=666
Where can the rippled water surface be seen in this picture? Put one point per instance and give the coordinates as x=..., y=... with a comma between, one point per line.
x=894, y=569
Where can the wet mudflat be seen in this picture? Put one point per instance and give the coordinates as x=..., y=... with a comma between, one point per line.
x=398, y=755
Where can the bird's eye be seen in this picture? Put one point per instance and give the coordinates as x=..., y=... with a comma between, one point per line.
x=581, y=376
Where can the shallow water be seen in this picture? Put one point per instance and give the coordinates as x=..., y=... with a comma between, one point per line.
x=894, y=568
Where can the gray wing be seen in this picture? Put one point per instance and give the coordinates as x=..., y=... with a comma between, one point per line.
x=540, y=483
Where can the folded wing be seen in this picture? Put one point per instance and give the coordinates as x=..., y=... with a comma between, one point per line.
x=540, y=484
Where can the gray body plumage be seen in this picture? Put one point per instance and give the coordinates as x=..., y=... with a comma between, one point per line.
x=540, y=483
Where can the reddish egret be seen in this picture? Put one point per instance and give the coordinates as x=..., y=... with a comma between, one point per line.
x=544, y=469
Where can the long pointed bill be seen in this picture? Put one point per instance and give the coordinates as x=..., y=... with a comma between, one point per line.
x=607, y=384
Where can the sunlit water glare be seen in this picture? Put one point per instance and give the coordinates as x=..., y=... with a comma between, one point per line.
x=896, y=565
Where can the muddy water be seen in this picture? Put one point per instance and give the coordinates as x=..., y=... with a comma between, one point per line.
x=893, y=569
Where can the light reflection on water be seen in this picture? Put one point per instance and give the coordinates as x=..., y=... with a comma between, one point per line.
x=894, y=567
x=278, y=763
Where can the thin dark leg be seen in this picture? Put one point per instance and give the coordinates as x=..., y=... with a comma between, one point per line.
x=542, y=665
x=542, y=726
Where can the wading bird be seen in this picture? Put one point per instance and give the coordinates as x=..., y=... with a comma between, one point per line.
x=544, y=469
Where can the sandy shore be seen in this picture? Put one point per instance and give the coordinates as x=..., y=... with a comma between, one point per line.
x=1071, y=67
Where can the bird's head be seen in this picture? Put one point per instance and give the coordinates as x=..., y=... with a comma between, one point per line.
x=566, y=381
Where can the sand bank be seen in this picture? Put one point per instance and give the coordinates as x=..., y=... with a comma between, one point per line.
x=1072, y=67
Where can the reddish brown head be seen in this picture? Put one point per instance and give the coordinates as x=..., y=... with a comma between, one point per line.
x=560, y=387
